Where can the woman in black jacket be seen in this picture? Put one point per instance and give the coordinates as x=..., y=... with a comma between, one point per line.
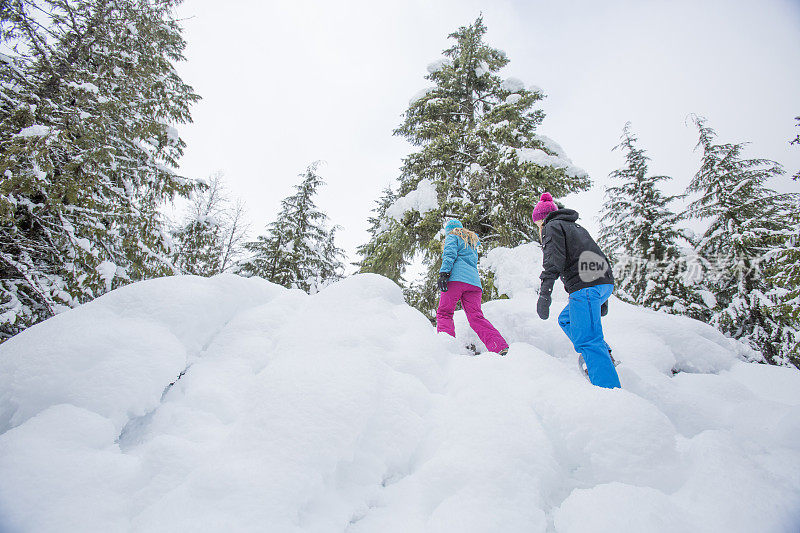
x=571, y=254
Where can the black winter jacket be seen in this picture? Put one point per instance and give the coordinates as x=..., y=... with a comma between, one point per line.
x=571, y=253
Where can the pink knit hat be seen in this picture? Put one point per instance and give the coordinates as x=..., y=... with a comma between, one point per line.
x=544, y=207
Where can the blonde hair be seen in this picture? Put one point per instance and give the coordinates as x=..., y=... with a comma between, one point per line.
x=470, y=237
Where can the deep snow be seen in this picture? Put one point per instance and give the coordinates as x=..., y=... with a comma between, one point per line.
x=345, y=411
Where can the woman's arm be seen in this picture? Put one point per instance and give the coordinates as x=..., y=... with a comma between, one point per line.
x=554, y=248
x=449, y=253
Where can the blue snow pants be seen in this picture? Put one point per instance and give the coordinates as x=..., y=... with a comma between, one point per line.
x=580, y=320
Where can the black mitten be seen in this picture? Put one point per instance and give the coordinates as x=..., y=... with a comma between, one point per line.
x=444, y=277
x=543, y=306
x=604, y=308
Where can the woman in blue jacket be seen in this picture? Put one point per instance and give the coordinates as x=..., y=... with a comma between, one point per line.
x=459, y=280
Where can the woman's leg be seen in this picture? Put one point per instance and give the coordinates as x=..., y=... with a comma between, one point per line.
x=471, y=300
x=587, y=334
x=447, y=306
x=563, y=321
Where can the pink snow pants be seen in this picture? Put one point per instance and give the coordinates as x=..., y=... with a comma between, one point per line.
x=470, y=297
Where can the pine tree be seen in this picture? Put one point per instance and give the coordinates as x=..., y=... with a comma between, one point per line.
x=211, y=235
x=784, y=277
x=783, y=269
x=298, y=250
x=479, y=157
x=796, y=141
x=87, y=148
x=385, y=252
x=747, y=221
x=331, y=267
x=639, y=232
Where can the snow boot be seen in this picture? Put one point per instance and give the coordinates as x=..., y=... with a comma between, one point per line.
x=504, y=351
x=583, y=367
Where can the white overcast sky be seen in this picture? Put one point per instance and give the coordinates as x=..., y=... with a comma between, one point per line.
x=287, y=83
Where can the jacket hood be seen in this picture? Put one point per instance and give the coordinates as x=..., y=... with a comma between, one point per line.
x=568, y=215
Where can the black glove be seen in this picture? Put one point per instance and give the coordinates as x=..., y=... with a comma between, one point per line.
x=443, y=278
x=604, y=308
x=543, y=306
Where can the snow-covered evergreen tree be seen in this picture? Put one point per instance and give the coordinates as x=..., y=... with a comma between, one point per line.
x=796, y=141
x=88, y=100
x=783, y=269
x=332, y=265
x=209, y=240
x=298, y=250
x=639, y=232
x=479, y=159
x=385, y=252
x=747, y=221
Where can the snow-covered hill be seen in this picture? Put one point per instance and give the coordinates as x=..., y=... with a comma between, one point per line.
x=345, y=411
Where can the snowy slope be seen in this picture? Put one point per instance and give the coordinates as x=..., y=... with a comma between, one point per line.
x=345, y=411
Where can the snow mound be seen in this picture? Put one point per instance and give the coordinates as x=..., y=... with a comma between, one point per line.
x=552, y=146
x=439, y=64
x=512, y=85
x=419, y=95
x=88, y=87
x=421, y=199
x=37, y=130
x=543, y=159
x=192, y=404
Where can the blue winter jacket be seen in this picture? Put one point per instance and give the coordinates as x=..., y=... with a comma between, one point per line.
x=458, y=258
